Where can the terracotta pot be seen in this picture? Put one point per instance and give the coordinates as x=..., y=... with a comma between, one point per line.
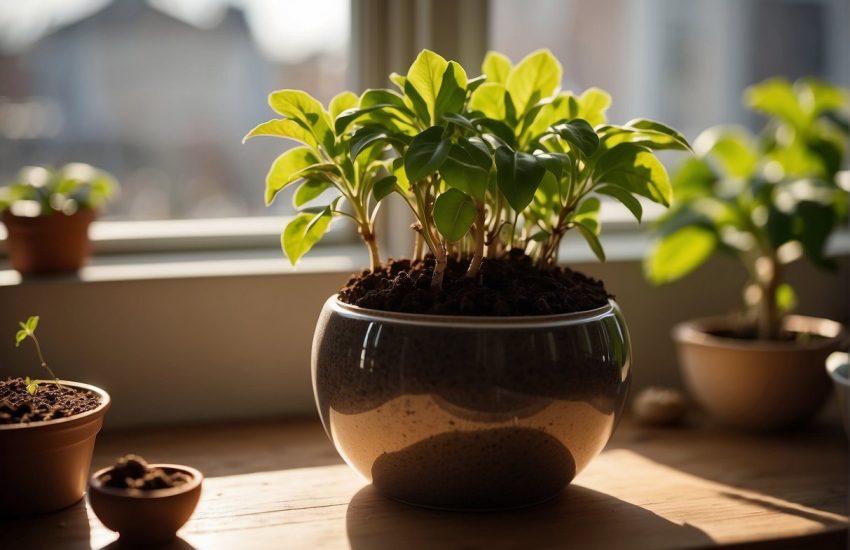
x=469, y=412
x=44, y=465
x=48, y=244
x=756, y=384
x=146, y=517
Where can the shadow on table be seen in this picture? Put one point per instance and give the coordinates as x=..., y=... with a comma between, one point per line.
x=176, y=544
x=807, y=467
x=579, y=518
x=68, y=529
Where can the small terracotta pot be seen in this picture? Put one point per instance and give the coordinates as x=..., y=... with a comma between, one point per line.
x=44, y=465
x=146, y=517
x=48, y=244
x=469, y=413
x=757, y=384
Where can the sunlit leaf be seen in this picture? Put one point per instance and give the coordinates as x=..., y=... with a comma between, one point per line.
x=675, y=255
x=454, y=214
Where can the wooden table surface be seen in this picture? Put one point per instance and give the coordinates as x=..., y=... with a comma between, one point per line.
x=280, y=484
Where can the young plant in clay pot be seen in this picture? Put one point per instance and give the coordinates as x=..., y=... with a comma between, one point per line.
x=477, y=374
x=766, y=200
x=47, y=433
x=47, y=214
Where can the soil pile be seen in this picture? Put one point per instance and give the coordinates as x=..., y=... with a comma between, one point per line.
x=509, y=286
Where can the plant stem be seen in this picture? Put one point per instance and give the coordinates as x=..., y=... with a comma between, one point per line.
x=480, y=233
x=769, y=322
x=418, y=245
x=41, y=357
x=439, y=266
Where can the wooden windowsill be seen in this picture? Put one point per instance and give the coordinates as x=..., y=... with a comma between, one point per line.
x=280, y=484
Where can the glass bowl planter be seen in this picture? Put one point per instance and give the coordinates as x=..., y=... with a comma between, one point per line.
x=469, y=412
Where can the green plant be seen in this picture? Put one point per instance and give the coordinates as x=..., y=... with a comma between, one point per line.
x=765, y=199
x=27, y=330
x=486, y=164
x=40, y=190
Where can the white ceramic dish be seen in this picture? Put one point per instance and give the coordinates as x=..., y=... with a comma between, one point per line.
x=838, y=367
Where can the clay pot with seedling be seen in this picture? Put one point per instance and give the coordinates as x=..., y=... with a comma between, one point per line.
x=47, y=214
x=47, y=433
x=478, y=373
x=766, y=200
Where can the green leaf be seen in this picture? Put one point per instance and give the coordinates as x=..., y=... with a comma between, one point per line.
x=677, y=254
x=384, y=187
x=592, y=105
x=489, y=100
x=347, y=117
x=580, y=135
x=283, y=128
x=734, y=149
x=459, y=120
x=557, y=163
x=462, y=171
x=307, y=111
x=786, y=299
x=426, y=153
x=496, y=67
x=453, y=214
x=518, y=175
x=20, y=336
x=815, y=222
x=624, y=197
x=32, y=385
x=32, y=324
x=287, y=169
x=342, y=102
x=536, y=77
x=304, y=231
x=425, y=76
x=658, y=128
x=776, y=97
x=636, y=170
x=452, y=94
x=498, y=130
x=592, y=239
x=587, y=214
x=693, y=179
x=366, y=136
x=309, y=190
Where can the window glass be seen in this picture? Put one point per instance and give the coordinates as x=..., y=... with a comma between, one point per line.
x=685, y=62
x=161, y=92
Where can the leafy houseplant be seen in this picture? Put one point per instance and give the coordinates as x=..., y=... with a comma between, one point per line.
x=495, y=170
x=51, y=427
x=47, y=213
x=767, y=200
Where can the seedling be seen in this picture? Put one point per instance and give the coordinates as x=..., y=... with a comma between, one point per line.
x=766, y=200
x=487, y=164
x=27, y=330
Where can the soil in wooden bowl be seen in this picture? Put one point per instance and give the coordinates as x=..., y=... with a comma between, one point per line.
x=133, y=472
x=51, y=401
x=510, y=286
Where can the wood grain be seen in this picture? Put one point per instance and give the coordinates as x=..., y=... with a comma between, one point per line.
x=279, y=484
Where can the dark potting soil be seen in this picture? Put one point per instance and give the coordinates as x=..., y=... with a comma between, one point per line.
x=133, y=472
x=750, y=333
x=51, y=401
x=509, y=286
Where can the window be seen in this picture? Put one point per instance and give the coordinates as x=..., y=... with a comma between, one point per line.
x=685, y=62
x=160, y=93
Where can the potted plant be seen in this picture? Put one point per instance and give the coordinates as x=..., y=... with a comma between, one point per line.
x=477, y=374
x=47, y=433
x=766, y=200
x=47, y=214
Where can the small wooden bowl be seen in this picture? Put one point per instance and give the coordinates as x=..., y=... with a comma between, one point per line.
x=146, y=517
